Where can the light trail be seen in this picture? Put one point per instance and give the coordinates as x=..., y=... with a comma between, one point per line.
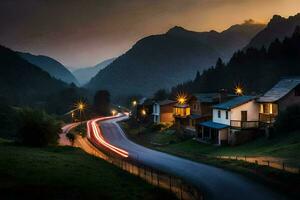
x=94, y=130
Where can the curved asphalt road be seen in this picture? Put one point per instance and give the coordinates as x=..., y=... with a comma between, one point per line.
x=215, y=182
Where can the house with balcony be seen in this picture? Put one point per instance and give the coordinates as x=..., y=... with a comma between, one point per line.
x=284, y=94
x=197, y=108
x=163, y=111
x=230, y=118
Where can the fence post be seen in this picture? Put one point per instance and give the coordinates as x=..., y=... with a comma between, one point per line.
x=170, y=177
x=151, y=175
x=157, y=174
x=180, y=190
x=268, y=163
x=245, y=158
x=283, y=167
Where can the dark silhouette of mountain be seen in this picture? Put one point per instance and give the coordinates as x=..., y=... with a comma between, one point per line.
x=53, y=67
x=84, y=75
x=160, y=61
x=278, y=27
x=23, y=83
x=256, y=70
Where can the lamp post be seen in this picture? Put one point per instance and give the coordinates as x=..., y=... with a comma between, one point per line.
x=80, y=107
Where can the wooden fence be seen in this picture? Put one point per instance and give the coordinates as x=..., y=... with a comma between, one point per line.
x=264, y=161
x=153, y=176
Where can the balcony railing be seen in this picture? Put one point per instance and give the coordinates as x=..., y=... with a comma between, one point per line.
x=267, y=118
x=244, y=124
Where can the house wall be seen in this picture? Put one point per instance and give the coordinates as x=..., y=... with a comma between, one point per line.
x=252, y=109
x=200, y=108
x=166, y=118
x=289, y=100
x=223, y=136
x=156, y=113
x=195, y=107
x=166, y=113
x=222, y=119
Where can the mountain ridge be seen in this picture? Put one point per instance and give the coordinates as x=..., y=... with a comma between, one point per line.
x=22, y=82
x=50, y=65
x=84, y=75
x=160, y=61
x=278, y=27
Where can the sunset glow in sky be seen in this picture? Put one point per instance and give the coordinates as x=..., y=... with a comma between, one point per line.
x=83, y=33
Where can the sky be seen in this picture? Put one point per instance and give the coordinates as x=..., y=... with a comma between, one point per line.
x=81, y=33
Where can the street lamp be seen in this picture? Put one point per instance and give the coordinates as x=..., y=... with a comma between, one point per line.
x=181, y=98
x=143, y=112
x=134, y=103
x=80, y=106
x=238, y=90
x=113, y=112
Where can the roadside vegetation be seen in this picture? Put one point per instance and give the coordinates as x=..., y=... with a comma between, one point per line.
x=66, y=173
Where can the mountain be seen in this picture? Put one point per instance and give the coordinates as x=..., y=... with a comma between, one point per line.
x=278, y=27
x=256, y=70
x=22, y=82
x=53, y=67
x=84, y=75
x=161, y=61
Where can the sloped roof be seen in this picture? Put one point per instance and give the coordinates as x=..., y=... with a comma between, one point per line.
x=195, y=116
x=207, y=97
x=235, y=102
x=166, y=102
x=213, y=125
x=281, y=89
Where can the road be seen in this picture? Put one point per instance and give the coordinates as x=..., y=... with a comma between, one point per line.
x=217, y=183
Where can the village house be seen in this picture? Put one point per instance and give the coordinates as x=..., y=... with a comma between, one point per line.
x=284, y=94
x=240, y=119
x=163, y=111
x=143, y=110
x=229, y=119
x=195, y=109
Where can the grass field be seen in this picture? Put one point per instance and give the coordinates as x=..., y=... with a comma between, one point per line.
x=66, y=173
x=287, y=147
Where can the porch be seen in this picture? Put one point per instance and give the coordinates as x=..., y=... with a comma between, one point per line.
x=213, y=132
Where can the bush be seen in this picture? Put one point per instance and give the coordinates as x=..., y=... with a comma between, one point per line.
x=288, y=121
x=36, y=128
x=7, y=123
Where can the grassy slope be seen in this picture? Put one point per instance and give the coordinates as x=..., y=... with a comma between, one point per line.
x=66, y=173
x=282, y=146
x=287, y=147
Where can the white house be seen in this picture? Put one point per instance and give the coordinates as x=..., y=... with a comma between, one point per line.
x=228, y=117
x=163, y=112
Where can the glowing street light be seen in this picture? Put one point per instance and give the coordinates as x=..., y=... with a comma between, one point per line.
x=238, y=90
x=113, y=112
x=134, y=103
x=143, y=111
x=80, y=106
x=181, y=98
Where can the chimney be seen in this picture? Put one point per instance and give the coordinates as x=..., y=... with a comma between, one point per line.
x=223, y=94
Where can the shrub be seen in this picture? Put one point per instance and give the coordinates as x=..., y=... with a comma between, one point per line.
x=288, y=121
x=36, y=128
